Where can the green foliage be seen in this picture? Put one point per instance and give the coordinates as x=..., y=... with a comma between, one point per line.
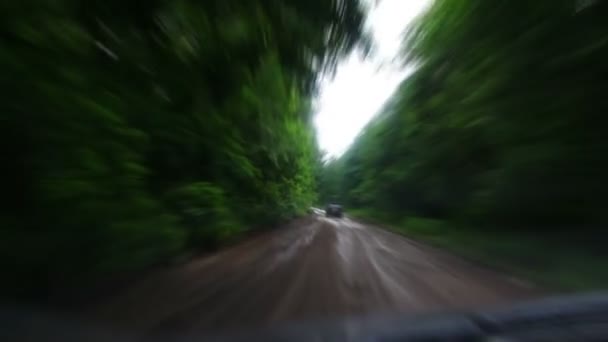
x=560, y=261
x=133, y=130
x=495, y=146
x=205, y=213
x=501, y=123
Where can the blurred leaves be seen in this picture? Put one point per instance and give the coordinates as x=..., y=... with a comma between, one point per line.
x=135, y=130
x=502, y=122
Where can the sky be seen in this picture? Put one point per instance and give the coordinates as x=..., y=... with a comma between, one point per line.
x=361, y=86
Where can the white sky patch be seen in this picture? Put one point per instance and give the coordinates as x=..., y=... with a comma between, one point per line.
x=360, y=87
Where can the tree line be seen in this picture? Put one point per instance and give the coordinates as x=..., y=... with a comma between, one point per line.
x=502, y=123
x=133, y=131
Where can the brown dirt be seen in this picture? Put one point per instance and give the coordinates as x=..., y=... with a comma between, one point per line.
x=314, y=268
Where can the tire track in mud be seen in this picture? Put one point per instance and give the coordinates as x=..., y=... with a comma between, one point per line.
x=314, y=268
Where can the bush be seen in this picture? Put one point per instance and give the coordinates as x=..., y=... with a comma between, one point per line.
x=205, y=213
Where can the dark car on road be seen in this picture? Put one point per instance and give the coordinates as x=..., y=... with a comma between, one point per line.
x=334, y=210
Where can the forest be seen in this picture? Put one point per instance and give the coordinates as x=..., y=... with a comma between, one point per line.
x=499, y=131
x=136, y=131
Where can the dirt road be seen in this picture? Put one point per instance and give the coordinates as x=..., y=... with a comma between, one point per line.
x=315, y=268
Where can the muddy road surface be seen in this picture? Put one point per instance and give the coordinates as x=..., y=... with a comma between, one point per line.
x=314, y=268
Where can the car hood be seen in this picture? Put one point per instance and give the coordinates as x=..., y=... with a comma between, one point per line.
x=573, y=317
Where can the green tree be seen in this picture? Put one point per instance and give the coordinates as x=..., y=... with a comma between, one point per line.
x=500, y=123
x=134, y=130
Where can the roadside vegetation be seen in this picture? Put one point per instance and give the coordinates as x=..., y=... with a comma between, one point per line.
x=555, y=262
x=134, y=131
x=495, y=146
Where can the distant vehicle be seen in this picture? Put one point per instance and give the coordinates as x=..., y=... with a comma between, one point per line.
x=333, y=210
